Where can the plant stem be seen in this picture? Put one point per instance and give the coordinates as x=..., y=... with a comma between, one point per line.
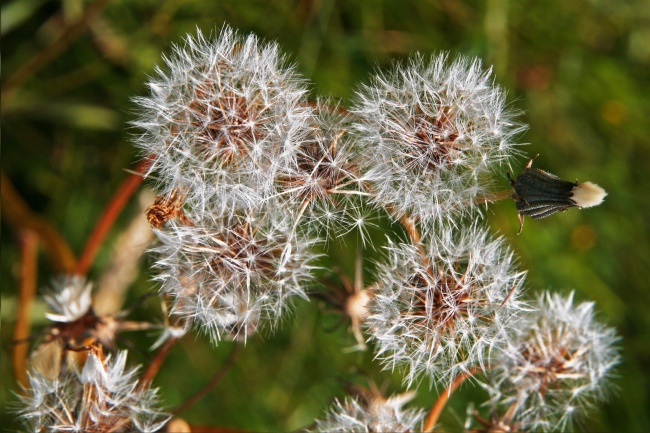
x=16, y=212
x=495, y=196
x=52, y=51
x=211, y=384
x=28, y=262
x=156, y=362
x=110, y=214
x=442, y=400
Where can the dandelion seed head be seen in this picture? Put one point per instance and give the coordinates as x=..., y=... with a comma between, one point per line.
x=433, y=130
x=220, y=112
x=558, y=366
x=103, y=396
x=438, y=315
x=231, y=276
x=68, y=298
x=372, y=413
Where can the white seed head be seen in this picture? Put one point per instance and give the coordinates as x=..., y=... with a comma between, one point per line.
x=103, y=397
x=230, y=276
x=373, y=414
x=588, y=194
x=220, y=113
x=69, y=299
x=439, y=315
x=431, y=132
x=557, y=367
x=317, y=176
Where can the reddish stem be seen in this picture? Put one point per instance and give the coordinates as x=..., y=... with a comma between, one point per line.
x=16, y=212
x=52, y=51
x=156, y=362
x=210, y=385
x=110, y=214
x=443, y=398
x=28, y=262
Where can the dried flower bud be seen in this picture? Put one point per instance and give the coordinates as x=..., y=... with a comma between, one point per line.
x=539, y=194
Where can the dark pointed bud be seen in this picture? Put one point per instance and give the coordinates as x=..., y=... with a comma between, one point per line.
x=539, y=194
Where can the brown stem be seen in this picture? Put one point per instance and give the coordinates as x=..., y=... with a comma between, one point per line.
x=442, y=400
x=495, y=196
x=211, y=384
x=156, y=362
x=111, y=212
x=52, y=51
x=16, y=212
x=28, y=262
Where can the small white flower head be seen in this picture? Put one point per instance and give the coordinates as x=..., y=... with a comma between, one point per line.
x=315, y=178
x=557, y=367
x=432, y=132
x=219, y=115
x=372, y=413
x=69, y=299
x=230, y=276
x=440, y=314
x=104, y=396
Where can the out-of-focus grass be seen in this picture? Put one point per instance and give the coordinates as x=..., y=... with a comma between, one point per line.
x=578, y=70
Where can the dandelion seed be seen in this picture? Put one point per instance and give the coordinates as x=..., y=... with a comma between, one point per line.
x=440, y=314
x=104, y=396
x=370, y=412
x=220, y=116
x=231, y=276
x=75, y=323
x=431, y=133
x=557, y=367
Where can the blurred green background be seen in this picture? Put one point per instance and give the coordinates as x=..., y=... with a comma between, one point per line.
x=579, y=70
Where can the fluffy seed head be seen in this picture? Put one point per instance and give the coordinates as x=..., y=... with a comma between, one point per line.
x=370, y=414
x=317, y=176
x=220, y=113
x=69, y=299
x=431, y=132
x=441, y=313
x=103, y=396
x=558, y=365
x=231, y=275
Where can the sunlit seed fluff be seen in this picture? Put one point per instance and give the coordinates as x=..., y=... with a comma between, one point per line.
x=316, y=177
x=440, y=314
x=373, y=415
x=68, y=298
x=219, y=114
x=102, y=397
x=231, y=276
x=557, y=368
x=432, y=131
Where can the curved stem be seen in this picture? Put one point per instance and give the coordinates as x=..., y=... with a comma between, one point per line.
x=16, y=212
x=52, y=51
x=156, y=362
x=442, y=400
x=495, y=196
x=28, y=262
x=211, y=384
x=110, y=214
